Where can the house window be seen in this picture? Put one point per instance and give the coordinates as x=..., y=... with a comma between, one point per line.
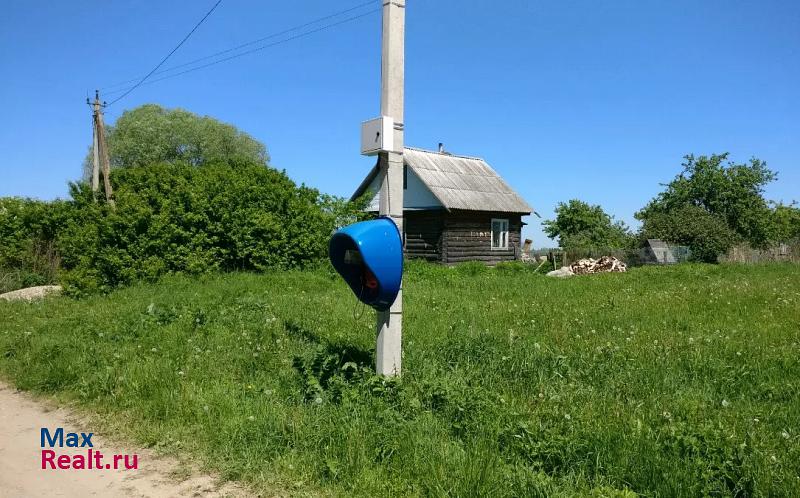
x=499, y=233
x=405, y=177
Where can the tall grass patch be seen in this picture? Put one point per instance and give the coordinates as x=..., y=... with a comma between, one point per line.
x=676, y=381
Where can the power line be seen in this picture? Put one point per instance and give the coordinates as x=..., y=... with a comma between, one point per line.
x=257, y=49
x=169, y=54
x=247, y=44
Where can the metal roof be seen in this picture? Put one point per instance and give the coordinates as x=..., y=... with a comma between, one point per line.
x=458, y=182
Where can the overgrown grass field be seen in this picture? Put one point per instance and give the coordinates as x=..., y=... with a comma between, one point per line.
x=678, y=381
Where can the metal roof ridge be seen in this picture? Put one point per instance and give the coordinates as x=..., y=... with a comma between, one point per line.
x=445, y=154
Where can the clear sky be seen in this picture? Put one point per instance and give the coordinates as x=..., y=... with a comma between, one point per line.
x=597, y=100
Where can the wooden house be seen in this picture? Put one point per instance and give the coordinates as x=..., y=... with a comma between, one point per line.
x=455, y=208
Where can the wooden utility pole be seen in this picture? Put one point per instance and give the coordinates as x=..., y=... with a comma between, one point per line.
x=388, y=352
x=100, y=160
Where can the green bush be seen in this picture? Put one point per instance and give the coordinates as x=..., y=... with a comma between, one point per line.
x=168, y=218
x=176, y=218
x=707, y=235
x=28, y=255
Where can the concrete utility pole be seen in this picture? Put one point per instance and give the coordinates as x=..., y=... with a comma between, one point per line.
x=100, y=153
x=388, y=351
x=95, y=156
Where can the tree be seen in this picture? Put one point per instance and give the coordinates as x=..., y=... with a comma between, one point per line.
x=151, y=134
x=581, y=225
x=731, y=192
x=707, y=235
x=785, y=222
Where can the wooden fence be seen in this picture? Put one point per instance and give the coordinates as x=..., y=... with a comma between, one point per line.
x=788, y=252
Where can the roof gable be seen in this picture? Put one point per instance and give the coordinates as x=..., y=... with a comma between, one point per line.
x=458, y=182
x=417, y=196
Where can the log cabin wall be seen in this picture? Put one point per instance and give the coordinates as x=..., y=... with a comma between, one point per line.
x=467, y=236
x=423, y=231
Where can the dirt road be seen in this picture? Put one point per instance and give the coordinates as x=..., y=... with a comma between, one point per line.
x=21, y=474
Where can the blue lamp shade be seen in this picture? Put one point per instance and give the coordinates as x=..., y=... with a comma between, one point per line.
x=369, y=256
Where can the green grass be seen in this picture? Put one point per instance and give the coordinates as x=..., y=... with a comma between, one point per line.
x=665, y=381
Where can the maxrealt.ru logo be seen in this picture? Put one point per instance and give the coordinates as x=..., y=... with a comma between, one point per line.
x=92, y=459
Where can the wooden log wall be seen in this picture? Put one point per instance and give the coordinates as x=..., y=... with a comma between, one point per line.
x=424, y=234
x=468, y=237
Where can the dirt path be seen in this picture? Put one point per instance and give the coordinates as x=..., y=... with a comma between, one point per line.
x=21, y=475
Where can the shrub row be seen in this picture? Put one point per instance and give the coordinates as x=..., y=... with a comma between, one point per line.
x=170, y=218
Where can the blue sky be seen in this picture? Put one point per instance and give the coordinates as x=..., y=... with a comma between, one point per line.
x=597, y=100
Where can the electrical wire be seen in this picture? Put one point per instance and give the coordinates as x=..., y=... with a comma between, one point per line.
x=247, y=44
x=251, y=51
x=134, y=87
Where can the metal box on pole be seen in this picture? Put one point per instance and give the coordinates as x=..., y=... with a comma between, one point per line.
x=377, y=135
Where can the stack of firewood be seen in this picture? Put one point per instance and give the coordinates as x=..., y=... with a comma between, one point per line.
x=604, y=264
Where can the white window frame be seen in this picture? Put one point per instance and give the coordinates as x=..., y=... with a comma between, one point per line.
x=504, y=234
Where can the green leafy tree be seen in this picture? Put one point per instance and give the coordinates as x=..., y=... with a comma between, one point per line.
x=151, y=134
x=581, y=225
x=731, y=192
x=707, y=234
x=785, y=222
x=342, y=211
